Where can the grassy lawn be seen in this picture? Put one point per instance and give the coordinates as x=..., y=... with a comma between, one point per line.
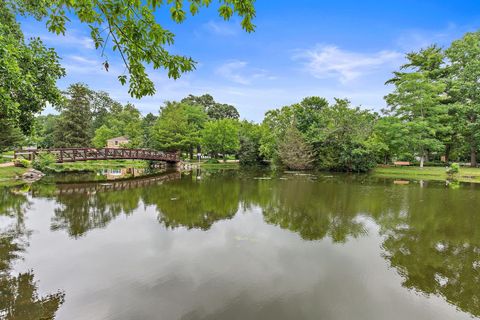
x=220, y=165
x=8, y=176
x=427, y=173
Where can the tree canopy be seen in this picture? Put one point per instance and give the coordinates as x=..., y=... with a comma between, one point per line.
x=28, y=74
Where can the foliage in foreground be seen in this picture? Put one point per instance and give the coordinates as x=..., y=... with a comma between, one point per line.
x=131, y=28
x=28, y=75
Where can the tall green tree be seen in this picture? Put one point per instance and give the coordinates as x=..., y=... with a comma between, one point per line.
x=73, y=126
x=418, y=99
x=147, y=124
x=102, y=134
x=250, y=135
x=102, y=106
x=131, y=29
x=10, y=136
x=221, y=136
x=44, y=131
x=214, y=110
x=28, y=74
x=389, y=141
x=275, y=124
x=178, y=127
x=120, y=121
x=464, y=87
x=341, y=135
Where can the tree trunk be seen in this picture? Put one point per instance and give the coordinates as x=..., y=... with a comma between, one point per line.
x=422, y=157
x=447, y=153
x=473, y=156
x=191, y=153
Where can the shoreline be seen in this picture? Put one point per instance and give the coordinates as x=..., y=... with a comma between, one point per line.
x=11, y=175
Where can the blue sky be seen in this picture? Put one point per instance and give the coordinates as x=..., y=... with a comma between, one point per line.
x=344, y=49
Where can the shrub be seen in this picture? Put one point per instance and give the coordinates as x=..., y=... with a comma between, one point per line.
x=453, y=169
x=24, y=163
x=44, y=161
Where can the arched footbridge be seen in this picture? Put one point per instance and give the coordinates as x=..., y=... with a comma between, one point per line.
x=85, y=154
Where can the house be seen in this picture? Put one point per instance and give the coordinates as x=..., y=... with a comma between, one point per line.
x=117, y=142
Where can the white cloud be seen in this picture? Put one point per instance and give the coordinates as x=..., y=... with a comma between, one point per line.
x=70, y=39
x=81, y=65
x=238, y=71
x=220, y=28
x=328, y=61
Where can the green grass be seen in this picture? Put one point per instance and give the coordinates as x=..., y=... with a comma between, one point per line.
x=97, y=164
x=9, y=176
x=427, y=173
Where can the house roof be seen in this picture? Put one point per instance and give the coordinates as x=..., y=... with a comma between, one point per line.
x=119, y=138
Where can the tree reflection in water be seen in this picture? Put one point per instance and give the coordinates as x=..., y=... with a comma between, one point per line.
x=19, y=299
x=430, y=234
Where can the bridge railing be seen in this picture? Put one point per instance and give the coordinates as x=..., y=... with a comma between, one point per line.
x=84, y=154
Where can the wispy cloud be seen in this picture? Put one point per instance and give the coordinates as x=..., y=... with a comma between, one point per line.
x=70, y=39
x=221, y=28
x=83, y=65
x=238, y=71
x=329, y=61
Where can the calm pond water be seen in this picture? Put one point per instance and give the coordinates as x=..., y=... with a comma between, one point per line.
x=234, y=245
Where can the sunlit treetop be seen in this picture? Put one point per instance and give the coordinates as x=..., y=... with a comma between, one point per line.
x=130, y=28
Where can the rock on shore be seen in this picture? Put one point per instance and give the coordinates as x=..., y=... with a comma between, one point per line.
x=32, y=175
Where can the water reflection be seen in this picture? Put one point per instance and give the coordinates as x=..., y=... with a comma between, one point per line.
x=19, y=299
x=85, y=206
x=430, y=233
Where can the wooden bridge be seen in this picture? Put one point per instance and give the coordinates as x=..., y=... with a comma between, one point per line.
x=85, y=154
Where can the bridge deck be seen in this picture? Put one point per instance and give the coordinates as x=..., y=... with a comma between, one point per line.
x=85, y=154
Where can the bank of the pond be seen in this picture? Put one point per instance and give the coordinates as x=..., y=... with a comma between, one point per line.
x=11, y=176
x=220, y=165
x=427, y=173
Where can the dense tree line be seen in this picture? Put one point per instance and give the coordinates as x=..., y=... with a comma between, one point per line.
x=195, y=124
x=433, y=114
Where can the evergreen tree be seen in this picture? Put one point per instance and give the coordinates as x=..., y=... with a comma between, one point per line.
x=73, y=128
x=294, y=152
x=10, y=136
